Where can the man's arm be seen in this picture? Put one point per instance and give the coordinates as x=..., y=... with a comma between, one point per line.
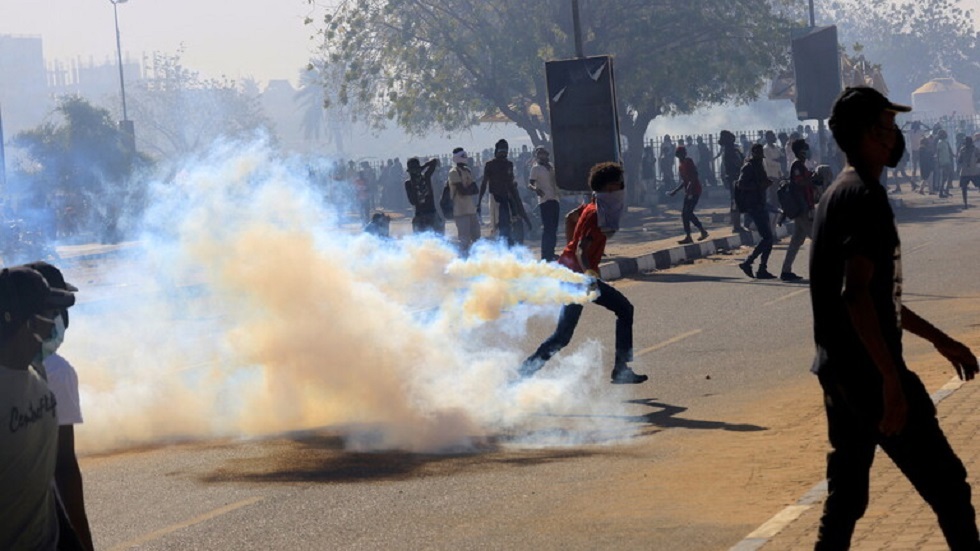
x=858, y=271
x=581, y=254
x=958, y=354
x=430, y=167
x=68, y=479
x=483, y=188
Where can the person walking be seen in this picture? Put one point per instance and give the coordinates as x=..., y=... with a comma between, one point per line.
x=802, y=192
x=691, y=185
x=751, y=188
x=731, y=165
x=599, y=220
x=968, y=161
x=871, y=397
x=542, y=183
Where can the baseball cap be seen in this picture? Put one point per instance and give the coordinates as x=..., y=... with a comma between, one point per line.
x=52, y=275
x=862, y=103
x=25, y=293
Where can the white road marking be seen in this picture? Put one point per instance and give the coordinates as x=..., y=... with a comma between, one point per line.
x=157, y=534
x=667, y=343
x=787, y=296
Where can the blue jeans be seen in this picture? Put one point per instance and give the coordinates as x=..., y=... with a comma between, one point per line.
x=549, y=229
x=610, y=299
x=760, y=218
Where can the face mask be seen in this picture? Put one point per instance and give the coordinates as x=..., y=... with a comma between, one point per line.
x=460, y=158
x=897, y=152
x=51, y=344
x=610, y=207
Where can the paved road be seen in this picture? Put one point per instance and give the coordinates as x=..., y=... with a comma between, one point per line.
x=729, y=430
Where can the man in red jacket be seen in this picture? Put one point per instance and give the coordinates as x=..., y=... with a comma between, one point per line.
x=599, y=220
x=692, y=193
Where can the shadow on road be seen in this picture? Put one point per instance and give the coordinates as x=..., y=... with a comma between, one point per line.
x=665, y=416
x=321, y=458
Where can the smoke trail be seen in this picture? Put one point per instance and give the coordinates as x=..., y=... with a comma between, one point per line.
x=249, y=311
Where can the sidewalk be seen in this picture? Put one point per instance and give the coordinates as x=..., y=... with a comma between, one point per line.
x=897, y=518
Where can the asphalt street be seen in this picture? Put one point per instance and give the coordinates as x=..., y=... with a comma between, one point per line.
x=730, y=431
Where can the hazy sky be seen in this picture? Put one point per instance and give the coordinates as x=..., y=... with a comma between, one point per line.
x=261, y=38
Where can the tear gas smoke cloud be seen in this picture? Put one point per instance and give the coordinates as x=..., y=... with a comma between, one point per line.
x=250, y=310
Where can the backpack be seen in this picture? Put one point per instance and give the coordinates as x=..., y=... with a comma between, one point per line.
x=446, y=202
x=571, y=220
x=790, y=201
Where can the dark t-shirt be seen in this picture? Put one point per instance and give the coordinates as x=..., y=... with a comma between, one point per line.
x=500, y=177
x=854, y=218
x=420, y=194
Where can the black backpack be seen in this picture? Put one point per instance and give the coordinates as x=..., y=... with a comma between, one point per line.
x=446, y=202
x=791, y=201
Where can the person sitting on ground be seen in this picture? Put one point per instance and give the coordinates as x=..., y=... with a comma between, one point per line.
x=29, y=427
x=691, y=185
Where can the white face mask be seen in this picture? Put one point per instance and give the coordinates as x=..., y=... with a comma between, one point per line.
x=51, y=344
x=610, y=207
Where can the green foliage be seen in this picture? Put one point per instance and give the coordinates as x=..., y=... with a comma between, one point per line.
x=439, y=64
x=913, y=40
x=78, y=153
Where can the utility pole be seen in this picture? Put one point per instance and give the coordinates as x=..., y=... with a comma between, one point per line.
x=577, y=29
x=3, y=159
x=821, y=128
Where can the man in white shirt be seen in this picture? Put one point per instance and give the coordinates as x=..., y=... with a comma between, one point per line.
x=464, y=190
x=542, y=182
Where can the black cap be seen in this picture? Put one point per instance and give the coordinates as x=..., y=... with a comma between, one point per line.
x=24, y=293
x=862, y=103
x=52, y=275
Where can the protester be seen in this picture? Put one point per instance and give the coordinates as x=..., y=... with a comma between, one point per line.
x=667, y=163
x=731, y=164
x=420, y=194
x=968, y=161
x=751, y=187
x=801, y=189
x=871, y=397
x=498, y=176
x=542, y=182
x=599, y=220
x=29, y=427
x=691, y=185
x=464, y=191
x=63, y=381
x=943, y=175
x=705, y=171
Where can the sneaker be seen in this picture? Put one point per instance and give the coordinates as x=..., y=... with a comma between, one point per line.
x=747, y=268
x=686, y=240
x=529, y=368
x=764, y=274
x=789, y=276
x=626, y=376
x=704, y=235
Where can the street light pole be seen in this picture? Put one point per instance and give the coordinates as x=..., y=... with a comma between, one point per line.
x=577, y=29
x=125, y=125
x=122, y=81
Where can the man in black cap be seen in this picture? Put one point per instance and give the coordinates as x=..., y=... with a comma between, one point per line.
x=28, y=418
x=870, y=395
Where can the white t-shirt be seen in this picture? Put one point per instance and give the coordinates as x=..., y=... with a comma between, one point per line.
x=63, y=381
x=771, y=155
x=544, y=179
x=28, y=449
x=458, y=179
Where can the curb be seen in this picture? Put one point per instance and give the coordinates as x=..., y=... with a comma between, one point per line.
x=663, y=259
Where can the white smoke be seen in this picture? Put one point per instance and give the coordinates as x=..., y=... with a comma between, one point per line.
x=250, y=309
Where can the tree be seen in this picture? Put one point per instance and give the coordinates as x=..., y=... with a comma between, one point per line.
x=428, y=64
x=179, y=112
x=913, y=41
x=312, y=98
x=76, y=169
